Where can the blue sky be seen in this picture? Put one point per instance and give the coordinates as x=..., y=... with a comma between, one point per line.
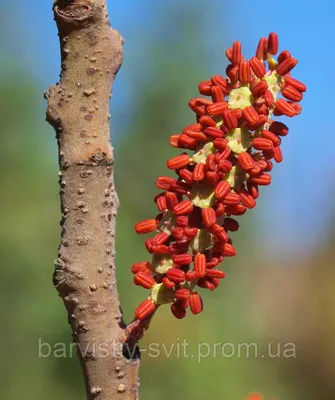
x=298, y=205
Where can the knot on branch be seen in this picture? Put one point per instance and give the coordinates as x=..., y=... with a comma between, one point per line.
x=52, y=115
x=100, y=157
x=64, y=276
x=73, y=12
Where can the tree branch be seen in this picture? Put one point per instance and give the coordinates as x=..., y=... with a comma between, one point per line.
x=78, y=108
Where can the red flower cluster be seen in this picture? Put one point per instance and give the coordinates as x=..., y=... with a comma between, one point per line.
x=233, y=143
x=255, y=396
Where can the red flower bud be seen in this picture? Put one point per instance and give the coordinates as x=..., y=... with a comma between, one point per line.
x=271, y=136
x=229, y=119
x=146, y=308
x=174, y=141
x=260, y=88
x=199, y=105
x=160, y=238
x=231, y=199
x=229, y=54
x=146, y=226
x=235, y=209
x=277, y=155
x=171, y=200
x=261, y=179
x=285, y=108
x=273, y=43
x=148, y=245
x=212, y=178
x=222, y=189
x=297, y=107
x=262, y=49
x=208, y=283
x=208, y=216
x=261, y=121
x=268, y=97
x=191, y=232
x=182, y=221
x=213, y=263
x=250, y=115
x=218, y=108
x=295, y=83
x=186, y=175
x=218, y=95
x=237, y=112
x=193, y=127
x=198, y=136
x=184, y=207
x=292, y=93
x=213, y=132
x=199, y=172
x=164, y=182
x=219, y=80
x=206, y=120
x=205, y=88
x=182, y=259
x=177, y=232
x=186, y=142
x=263, y=112
x=161, y=203
x=144, y=280
x=229, y=250
x=195, y=301
x=247, y=199
x=160, y=249
x=253, y=189
x=262, y=144
x=246, y=161
x=191, y=276
x=167, y=283
x=176, y=275
x=179, y=187
x=200, y=265
x=178, y=162
x=286, y=66
x=257, y=67
x=178, y=311
x=278, y=128
x=283, y=55
x=140, y=266
x=220, y=143
x=237, y=53
x=182, y=294
x=215, y=273
x=244, y=72
x=215, y=229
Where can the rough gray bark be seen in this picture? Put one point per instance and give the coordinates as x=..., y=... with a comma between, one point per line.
x=78, y=108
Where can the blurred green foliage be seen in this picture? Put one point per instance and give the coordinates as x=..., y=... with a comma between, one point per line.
x=30, y=235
